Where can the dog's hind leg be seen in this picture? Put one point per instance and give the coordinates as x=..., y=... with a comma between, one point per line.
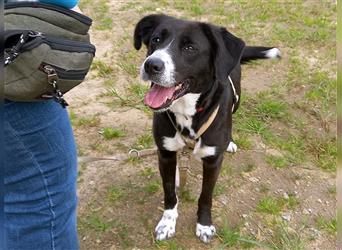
x=205, y=230
x=166, y=227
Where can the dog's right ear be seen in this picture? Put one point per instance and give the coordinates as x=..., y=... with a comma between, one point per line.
x=144, y=29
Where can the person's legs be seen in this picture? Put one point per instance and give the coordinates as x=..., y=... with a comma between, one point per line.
x=41, y=177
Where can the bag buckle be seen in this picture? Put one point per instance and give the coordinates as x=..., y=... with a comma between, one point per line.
x=53, y=81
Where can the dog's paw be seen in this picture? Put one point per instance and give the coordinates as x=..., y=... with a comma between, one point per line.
x=205, y=233
x=232, y=147
x=166, y=227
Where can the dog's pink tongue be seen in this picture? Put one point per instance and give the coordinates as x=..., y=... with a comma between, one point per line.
x=158, y=95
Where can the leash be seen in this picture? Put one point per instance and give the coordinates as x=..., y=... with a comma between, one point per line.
x=121, y=157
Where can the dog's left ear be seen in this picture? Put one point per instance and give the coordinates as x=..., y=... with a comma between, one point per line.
x=227, y=50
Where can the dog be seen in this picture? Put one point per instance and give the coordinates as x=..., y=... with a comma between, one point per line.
x=195, y=72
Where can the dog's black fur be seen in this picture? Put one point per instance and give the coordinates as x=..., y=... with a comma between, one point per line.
x=215, y=55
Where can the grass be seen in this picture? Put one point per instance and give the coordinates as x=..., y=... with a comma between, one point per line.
x=274, y=205
x=243, y=141
x=148, y=172
x=187, y=196
x=96, y=222
x=277, y=161
x=103, y=70
x=329, y=225
x=168, y=245
x=91, y=121
x=152, y=187
x=144, y=141
x=231, y=237
x=100, y=14
x=134, y=97
x=269, y=205
x=114, y=194
x=285, y=238
x=110, y=133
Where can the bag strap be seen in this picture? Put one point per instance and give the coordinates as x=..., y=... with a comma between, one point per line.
x=12, y=53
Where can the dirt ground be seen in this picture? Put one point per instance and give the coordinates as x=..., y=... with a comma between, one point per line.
x=278, y=190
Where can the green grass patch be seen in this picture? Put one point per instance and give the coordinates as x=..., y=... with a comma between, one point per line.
x=152, y=187
x=95, y=222
x=168, y=245
x=268, y=108
x=92, y=121
x=329, y=225
x=231, y=237
x=269, y=205
x=144, y=141
x=273, y=205
x=187, y=196
x=243, y=142
x=103, y=70
x=134, y=97
x=277, y=161
x=114, y=194
x=101, y=15
x=285, y=238
x=148, y=172
x=220, y=188
x=110, y=133
x=332, y=190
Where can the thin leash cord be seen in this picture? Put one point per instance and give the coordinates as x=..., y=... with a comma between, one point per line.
x=173, y=124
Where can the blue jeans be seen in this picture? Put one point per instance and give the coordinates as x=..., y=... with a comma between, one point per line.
x=40, y=177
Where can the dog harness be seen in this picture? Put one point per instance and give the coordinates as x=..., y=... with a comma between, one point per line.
x=235, y=95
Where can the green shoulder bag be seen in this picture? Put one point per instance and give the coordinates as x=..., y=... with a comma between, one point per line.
x=47, y=51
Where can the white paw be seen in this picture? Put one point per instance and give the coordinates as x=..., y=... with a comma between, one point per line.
x=166, y=227
x=205, y=233
x=232, y=147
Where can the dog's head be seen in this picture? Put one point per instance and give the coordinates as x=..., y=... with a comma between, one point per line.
x=184, y=57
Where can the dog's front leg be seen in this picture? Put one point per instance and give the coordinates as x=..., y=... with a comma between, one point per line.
x=211, y=168
x=166, y=227
x=232, y=147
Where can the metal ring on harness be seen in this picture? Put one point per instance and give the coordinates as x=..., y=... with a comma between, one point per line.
x=134, y=151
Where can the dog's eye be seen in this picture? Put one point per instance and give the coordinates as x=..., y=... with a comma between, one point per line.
x=156, y=40
x=189, y=48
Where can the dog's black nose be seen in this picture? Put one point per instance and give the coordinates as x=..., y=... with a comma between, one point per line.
x=154, y=66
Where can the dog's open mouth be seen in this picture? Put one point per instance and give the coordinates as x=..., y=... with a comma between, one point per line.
x=159, y=97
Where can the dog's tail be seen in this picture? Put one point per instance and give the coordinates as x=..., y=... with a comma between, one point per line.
x=258, y=52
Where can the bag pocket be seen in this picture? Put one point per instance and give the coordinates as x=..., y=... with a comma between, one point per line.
x=26, y=78
x=49, y=19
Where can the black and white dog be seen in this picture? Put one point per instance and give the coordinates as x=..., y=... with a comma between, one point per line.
x=195, y=71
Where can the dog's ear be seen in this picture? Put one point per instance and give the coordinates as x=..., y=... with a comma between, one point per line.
x=144, y=29
x=227, y=50
x=234, y=48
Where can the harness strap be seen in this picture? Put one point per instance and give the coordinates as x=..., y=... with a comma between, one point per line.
x=207, y=124
x=201, y=130
x=235, y=95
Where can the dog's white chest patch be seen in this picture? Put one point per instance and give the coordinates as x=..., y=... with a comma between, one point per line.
x=173, y=143
x=184, y=109
x=202, y=151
